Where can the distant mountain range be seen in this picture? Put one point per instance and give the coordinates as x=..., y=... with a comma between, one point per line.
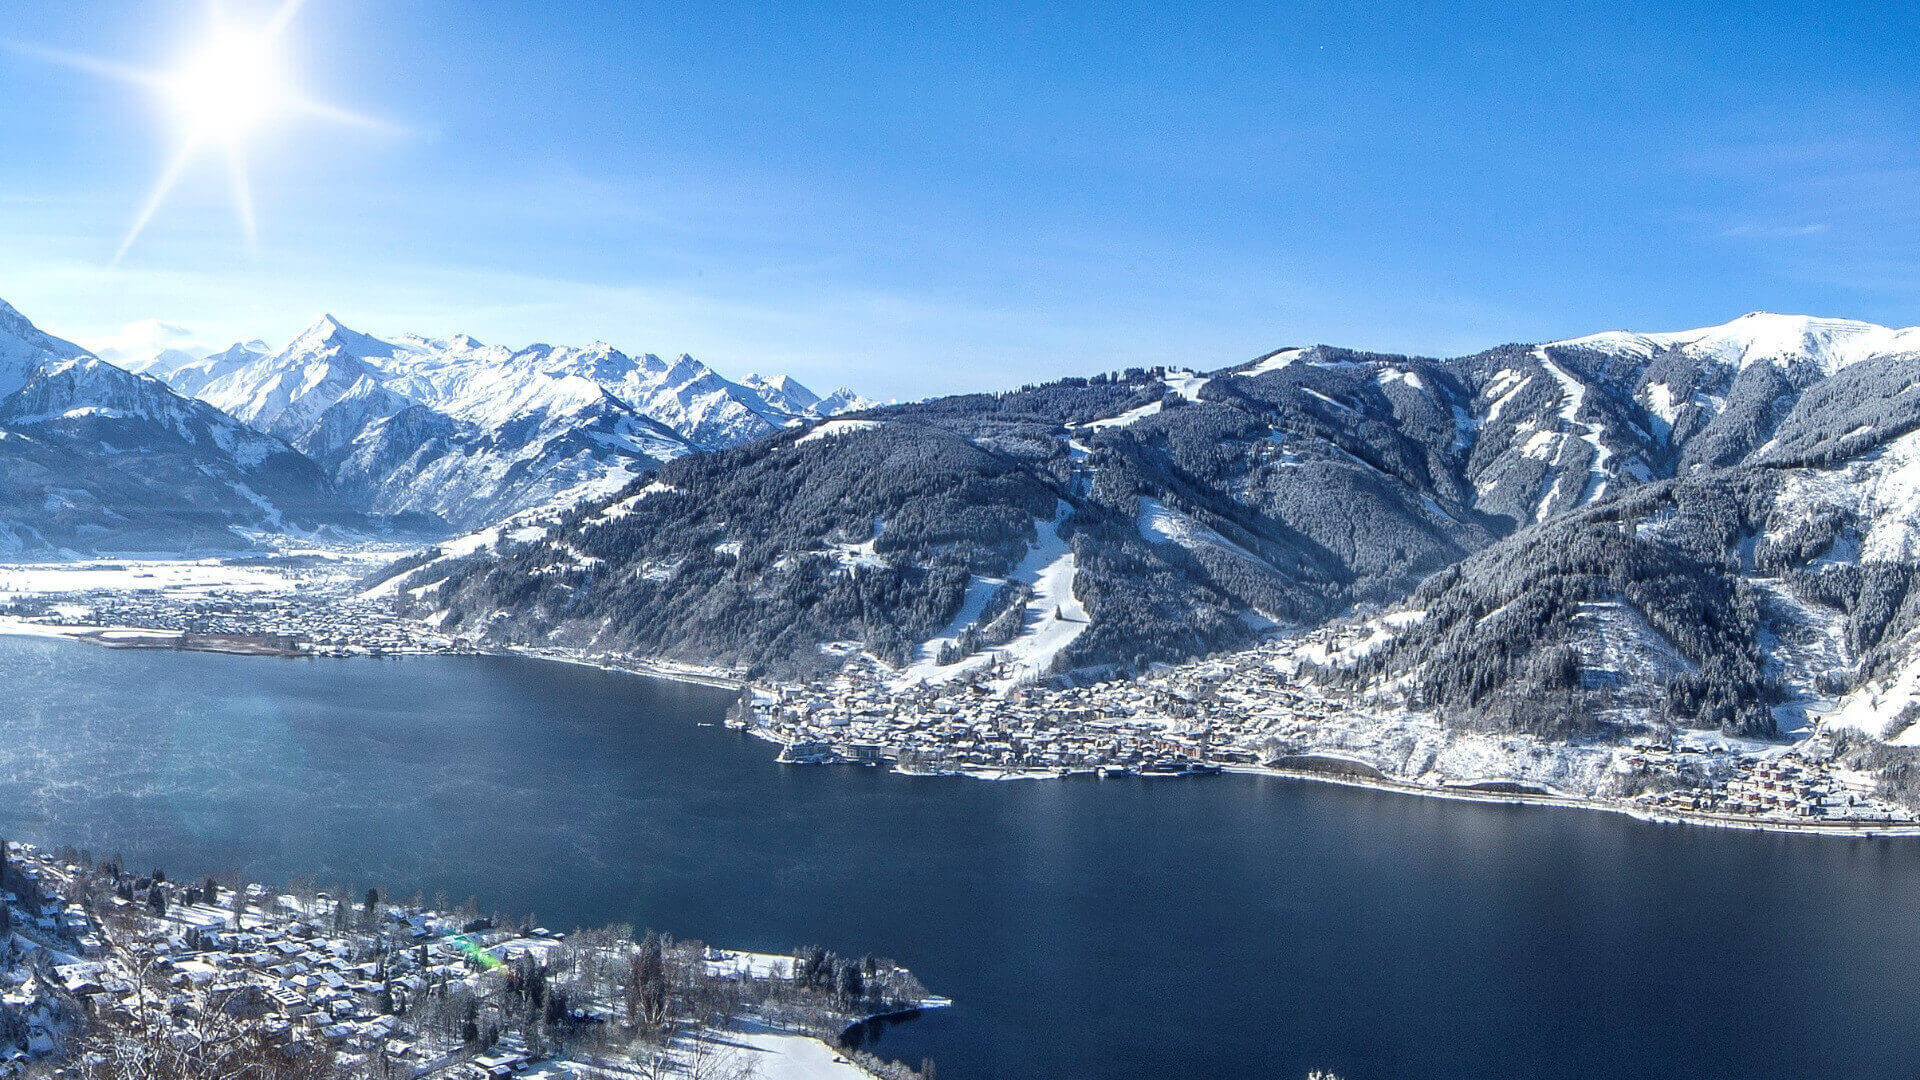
x=1719, y=526
x=345, y=431
x=1716, y=527
x=474, y=433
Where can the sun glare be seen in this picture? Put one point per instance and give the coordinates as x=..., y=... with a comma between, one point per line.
x=222, y=92
x=227, y=87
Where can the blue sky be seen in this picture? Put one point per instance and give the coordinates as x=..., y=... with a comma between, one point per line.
x=914, y=199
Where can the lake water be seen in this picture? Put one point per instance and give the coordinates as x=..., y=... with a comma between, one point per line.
x=1227, y=927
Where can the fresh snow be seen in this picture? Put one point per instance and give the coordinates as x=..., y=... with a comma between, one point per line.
x=1766, y=337
x=1336, y=404
x=1160, y=523
x=1128, y=418
x=861, y=556
x=1389, y=376
x=781, y=1055
x=1501, y=390
x=1660, y=402
x=836, y=428
x=1054, y=617
x=1272, y=363
x=617, y=510
x=1187, y=384
x=1882, y=489
x=979, y=593
x=1573, y=397
x=178, y=576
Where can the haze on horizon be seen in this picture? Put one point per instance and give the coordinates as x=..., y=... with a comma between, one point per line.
x=914, y=201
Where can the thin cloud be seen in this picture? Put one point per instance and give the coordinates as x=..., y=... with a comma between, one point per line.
x=1773, y=232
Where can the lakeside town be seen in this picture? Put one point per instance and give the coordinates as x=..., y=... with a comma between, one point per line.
x=1252, y=711
x=109, y=973
x=1259, y=709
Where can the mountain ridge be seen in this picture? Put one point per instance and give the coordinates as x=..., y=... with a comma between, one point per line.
x=1762, y=469
x=93, y=456
x=525, y=427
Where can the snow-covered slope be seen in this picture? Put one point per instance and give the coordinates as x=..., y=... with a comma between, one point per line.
x=96, y=458
x=25, y=349
x=1715, y=527
x=475, y=432
x=1766, y=337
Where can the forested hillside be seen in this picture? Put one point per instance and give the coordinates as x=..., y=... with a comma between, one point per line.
x=1705, y=528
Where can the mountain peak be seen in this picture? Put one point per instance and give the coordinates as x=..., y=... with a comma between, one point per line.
x=1766, y=337
x=321, y=330
x=25, y=347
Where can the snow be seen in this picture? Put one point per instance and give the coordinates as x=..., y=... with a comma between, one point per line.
x=618, y=510
x=1179, y=383
x=1891, y=498
x=1427, y=502
x=1660, y=402
x=979, y=593
x=732, y=962
x=1766, y=337
x=1159, y=523
x=1187, y=384
x=516, y=529
x=1053, y=619
x=778, y=1055
x=13, y=626
x=1882, y=489
x=1272, y=363
x=1541, y=444
x=1573, y=397
x=1317, y=394
x=1128, y=418
x=1501, y=390
x=861, y=556
x=1616, y=642
x=835, y=428
x=1389, y=376
x=186, y=576
x=530, y=427
x=1875, y=707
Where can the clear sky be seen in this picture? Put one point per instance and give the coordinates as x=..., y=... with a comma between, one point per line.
x=918, y=198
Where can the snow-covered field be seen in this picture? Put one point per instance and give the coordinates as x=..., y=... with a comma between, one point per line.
x=190, y=576
x=780, y=1055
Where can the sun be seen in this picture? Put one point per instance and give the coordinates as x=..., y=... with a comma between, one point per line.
x=229, y=87
x=231, y=84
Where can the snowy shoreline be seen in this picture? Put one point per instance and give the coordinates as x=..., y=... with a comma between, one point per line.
x=707, y=677
x=1852, y=829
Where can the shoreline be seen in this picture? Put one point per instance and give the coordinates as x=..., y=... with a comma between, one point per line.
x=136, y=637
x=1847, y=829
x=669, y=670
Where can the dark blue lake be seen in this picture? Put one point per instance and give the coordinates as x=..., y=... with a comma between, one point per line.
x=1231, y=927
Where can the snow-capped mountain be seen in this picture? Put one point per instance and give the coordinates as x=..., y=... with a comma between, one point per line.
x=1715, y=527
x=476, y=432
x=93, y=457
x=1766, y=337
